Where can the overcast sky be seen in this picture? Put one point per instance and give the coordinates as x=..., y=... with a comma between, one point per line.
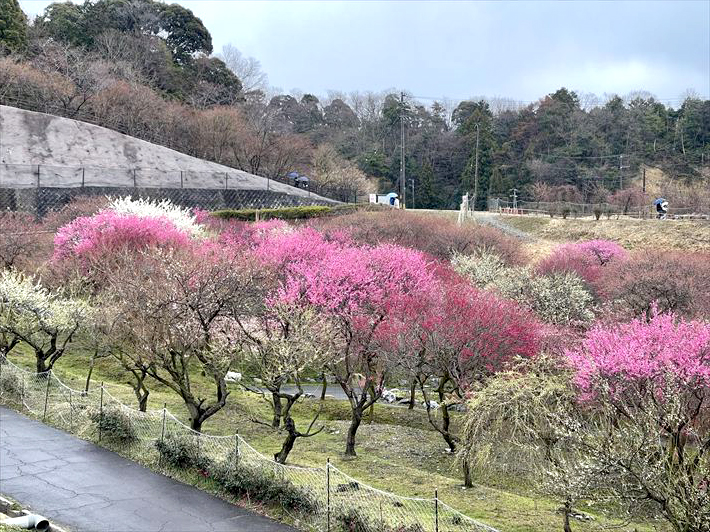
x=457, y=49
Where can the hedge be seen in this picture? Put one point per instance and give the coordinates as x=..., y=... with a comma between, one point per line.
x=289, y=213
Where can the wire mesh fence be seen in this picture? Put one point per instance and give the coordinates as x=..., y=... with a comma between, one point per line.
x=334, y=500
x=40, y=189
x=598, y=210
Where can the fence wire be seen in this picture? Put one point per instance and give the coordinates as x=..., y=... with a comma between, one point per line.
x=338, y=502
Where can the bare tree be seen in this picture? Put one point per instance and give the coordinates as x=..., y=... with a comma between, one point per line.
x=180, y=307
x=247, y=69
x=282, y=343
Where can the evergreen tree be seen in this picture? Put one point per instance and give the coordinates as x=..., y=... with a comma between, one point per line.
x=426, y=197
x=13, y=26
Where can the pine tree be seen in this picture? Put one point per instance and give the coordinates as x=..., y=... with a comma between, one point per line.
x=13, y=26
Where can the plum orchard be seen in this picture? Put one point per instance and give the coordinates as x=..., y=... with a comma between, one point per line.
x=285, y=300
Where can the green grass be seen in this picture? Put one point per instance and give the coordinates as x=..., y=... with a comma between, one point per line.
x=397, y=452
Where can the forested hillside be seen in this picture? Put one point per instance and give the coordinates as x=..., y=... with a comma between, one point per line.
x=149, y=70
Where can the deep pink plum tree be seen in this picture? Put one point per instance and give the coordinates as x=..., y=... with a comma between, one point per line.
x=650, y=379
x=359, y=290
x=586, y=259
x=460, y=336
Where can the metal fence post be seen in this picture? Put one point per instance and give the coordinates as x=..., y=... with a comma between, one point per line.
x=226, y=180
x=22, y=390
x=162, y=430
x=46, y=396
x=436, y=510
x=101, y=410
x=38, y=182
x=236, y=449
x=83, y=176
x=181, y=180
x=327, y=487
x=71, y=414
x=134, y=178
x=162, y=433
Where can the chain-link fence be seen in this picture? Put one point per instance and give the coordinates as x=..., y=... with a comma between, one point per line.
x=40, y=189
x=598, y=210
x=334, y=500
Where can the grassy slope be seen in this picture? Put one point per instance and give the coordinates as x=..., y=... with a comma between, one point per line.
x=398, y=452
x=630, y=233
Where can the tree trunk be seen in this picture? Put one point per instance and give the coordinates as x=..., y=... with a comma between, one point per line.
x=196, y=418
x=276, y=422
x=197, y=415
x=467, y=481
x=41, y=364
x=143, y=401
x=354, y=424
x=446, y=423
x=140, y=390
x=324, y=388
x=412, y=393
x=290, y=427
x=568, y=510
x=88, y=375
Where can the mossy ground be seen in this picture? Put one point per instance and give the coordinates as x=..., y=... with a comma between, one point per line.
x=398, y=451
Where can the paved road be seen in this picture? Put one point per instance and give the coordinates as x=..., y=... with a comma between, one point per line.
x=87, y=488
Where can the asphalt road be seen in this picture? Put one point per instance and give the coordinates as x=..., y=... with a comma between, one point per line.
x=89, y=489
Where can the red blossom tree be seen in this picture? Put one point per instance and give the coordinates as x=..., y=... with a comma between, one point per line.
x=460, y=336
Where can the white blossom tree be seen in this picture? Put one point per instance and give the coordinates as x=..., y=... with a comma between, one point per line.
x=281, y=344
x=46, y=321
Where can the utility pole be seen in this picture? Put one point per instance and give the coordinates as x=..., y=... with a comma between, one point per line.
x=644, y=180
x=621, y=171
x=402, y=180
x=475, y=173
x=515, y=199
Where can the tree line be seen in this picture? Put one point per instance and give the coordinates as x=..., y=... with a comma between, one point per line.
x=148, y=69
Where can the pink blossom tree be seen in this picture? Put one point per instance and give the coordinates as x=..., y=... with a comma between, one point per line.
x=358, y=289
x=586, y=259
x=650, y=379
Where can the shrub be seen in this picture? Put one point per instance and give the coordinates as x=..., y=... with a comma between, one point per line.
x=10, y=385
x=481, y=268
x=263, y=485
x=114, y=424
x=17, y=238
x=559, y=298
x=182, y=451
x=288, y=213
x=351, y=520
x=674, y=281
